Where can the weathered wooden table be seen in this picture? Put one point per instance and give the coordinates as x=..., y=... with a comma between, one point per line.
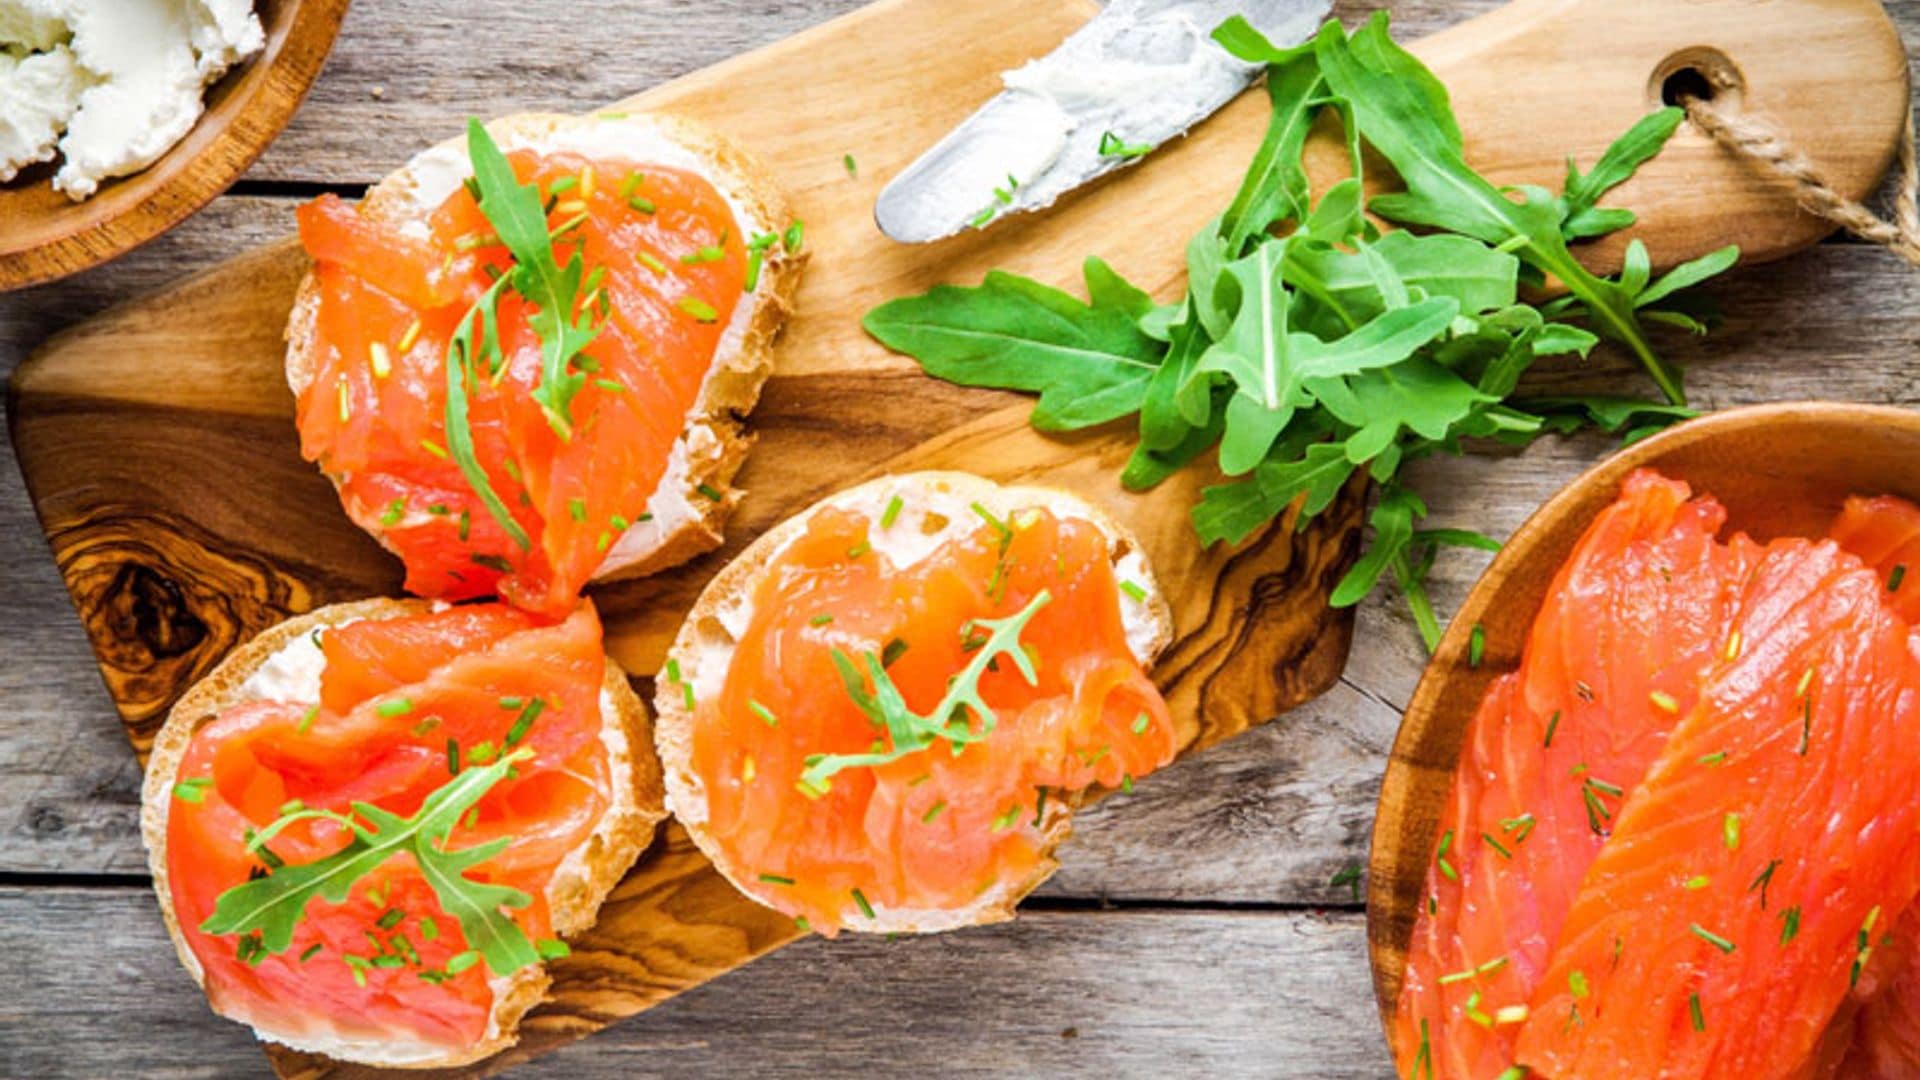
x=1193, y=929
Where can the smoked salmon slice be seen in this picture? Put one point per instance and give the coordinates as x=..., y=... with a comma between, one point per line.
x=1773, y=843
x=404, y=706
x=1884, y=531
x=904, y=828
x=1634, y=616
x=665, y=265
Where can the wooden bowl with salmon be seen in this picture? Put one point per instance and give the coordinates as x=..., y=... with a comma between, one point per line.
x=1648, y=810
x=49, y=236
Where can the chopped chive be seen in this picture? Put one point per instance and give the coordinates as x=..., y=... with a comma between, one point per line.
x=193, y=789
x=434, y=448
x=1476, y=646
x=852, y=166
x=563, y=185
x=1577, y=983
x=525, y=720
x=1496, y=845
x=802, y=923
x=894, y=650
x=1898, y=575
x=1349, y=876
x=389, y=918
x=453, y=757
x=776, y=879
x=1806, y=680
x=1664, y=702
x=1134, y=590
x=1005, y=821
x=492, y=562
x=412, y=335
x=426, y=725
x=394, y=707
x=466, y=523
x=577, y=509
x=1715, y=758
x=346, y=402
x=429, y=930
x=1521, y=827
x=859, y=549
x=1790, y=924
x=891, y=513
x=709, y=254
x=310, y=951
x=708, y=491
x=438, y=509
x=698, y=308
x=755, y=257
x=860, y=898
x=795, y=234
x=1140, y=724
x=603, y=541
x=1730, y=831
x=820, y=620
x=1697, y=881
x=306, y=719
x=933, y=812
x=619, y=522
x=1126, y=783
x=1710, y=937
x=647, y=260
x=1699, y=1018
x=1552, y=723
x=1761, y=882
x=631, y=184
x=379, y=360
x=763, y=713
x=1806, y=725
x=641, y=204
x=462, y=961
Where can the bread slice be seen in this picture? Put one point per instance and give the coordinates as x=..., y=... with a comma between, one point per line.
x=935, y=506
x=579, y=886
x=686, y=521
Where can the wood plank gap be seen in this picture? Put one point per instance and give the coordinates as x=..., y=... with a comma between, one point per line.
x=296, y=189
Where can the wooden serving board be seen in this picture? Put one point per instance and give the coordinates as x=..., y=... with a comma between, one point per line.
x=159, y=450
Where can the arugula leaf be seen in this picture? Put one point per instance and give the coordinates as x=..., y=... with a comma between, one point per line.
x=1232, y=512
x=1475, y=275
x=519, y=218
x=1579, y=217
x=272, y=906
x=1276, y=186
x=470, y=344
x=1402, y=119
x=910, y=732
x=1089, y=362
x=1392, y=521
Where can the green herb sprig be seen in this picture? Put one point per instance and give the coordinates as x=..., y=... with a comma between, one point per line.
x=271, y=906
x=1309, y=346
x=911, y=732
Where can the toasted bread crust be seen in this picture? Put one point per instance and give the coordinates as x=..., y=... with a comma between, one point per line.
x=574, y=900
x=714, y=435
x=703, y=639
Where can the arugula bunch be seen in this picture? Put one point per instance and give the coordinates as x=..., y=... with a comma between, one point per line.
x=1309, y=345
x=519, y=218
x=912, y=732
x=268, y=908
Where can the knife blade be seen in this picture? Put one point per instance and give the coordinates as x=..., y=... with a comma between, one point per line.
x=1140, y=73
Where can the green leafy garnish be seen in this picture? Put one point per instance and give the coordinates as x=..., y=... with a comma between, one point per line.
x=270, y=907
x=1112, y=145
x=1312, y=349
x=910, y=732
x=519, y=217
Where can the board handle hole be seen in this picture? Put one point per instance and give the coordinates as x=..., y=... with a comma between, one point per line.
x=1701, y=72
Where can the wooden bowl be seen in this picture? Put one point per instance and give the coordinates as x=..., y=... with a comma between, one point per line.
x=44, y=235
x=1780, y=470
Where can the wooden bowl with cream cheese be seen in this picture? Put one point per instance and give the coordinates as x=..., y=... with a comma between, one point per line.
x=44, y=235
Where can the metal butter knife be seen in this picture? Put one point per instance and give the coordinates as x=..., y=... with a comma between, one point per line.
x=1139, y=73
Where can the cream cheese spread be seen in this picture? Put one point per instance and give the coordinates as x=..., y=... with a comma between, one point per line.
x=118, y=84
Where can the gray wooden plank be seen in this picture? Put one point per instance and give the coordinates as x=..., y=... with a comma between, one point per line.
x=1133, y=993
x=405, y=73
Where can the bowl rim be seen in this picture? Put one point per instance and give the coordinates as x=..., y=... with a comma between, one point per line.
x=1450, y=657
x=283, y=74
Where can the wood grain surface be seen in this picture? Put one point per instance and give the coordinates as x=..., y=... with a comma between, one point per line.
x=48, y=235
x=1259, y=823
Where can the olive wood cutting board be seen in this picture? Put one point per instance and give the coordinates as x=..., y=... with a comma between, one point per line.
x=158, y=444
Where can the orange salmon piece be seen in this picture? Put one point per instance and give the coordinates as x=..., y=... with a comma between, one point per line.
x=933, y=829
x=1719, y=930
x=464, y=677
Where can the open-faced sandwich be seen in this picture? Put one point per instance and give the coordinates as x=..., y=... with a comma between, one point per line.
x=882, y=714
x=371, y=826
x=524, y=357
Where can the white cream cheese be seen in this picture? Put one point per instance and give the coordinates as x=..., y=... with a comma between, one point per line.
x=37, y=96
x=439, y=170
x=143, y=66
